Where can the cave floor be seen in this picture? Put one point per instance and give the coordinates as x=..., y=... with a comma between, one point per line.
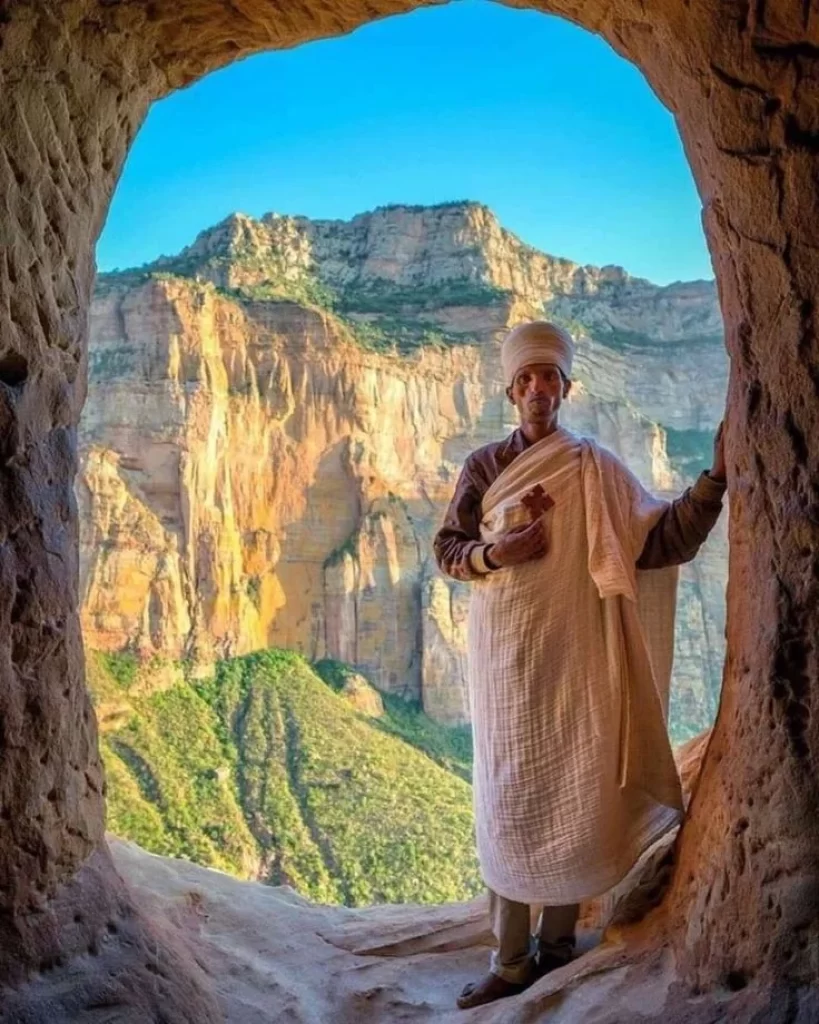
x=272, y=956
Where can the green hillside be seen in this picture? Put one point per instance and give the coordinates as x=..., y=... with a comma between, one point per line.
x=265, y=770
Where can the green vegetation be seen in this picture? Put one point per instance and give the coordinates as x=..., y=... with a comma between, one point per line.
x=165, y=787
x=121, y=666
x=380, y=316
x=380, y=295
x=108, y=363
x=348, y=547
x=450, y=746
x=306, y=291
x=617, y=338
x=254, y=590
x=690, y=451
x=262, y=769
x=119, y=280
x=416, y=208
x=392, y=335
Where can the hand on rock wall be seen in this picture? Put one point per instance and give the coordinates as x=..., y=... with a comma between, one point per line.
x=717, y=470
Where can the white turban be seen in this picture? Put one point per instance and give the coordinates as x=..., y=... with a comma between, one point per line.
x=534, y=343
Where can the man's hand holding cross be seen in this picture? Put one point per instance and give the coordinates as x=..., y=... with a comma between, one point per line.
x=523, y=543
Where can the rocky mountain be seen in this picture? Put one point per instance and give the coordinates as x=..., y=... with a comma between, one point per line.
x=277, y=416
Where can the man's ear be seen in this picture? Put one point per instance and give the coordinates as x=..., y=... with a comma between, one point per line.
x=567, y=387
x=510, y=396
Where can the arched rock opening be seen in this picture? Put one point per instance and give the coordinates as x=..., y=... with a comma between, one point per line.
x=77, y=80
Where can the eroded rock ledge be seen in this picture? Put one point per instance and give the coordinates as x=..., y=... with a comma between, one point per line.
x=204, y=945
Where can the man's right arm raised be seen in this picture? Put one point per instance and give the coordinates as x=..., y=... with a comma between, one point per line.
x=458, y=548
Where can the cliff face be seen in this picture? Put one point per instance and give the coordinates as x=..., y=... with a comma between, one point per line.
x=276, y=419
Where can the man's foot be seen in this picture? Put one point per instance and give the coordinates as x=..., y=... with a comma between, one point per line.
x=487, y=990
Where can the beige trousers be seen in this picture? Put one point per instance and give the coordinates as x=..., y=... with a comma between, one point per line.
x=514, y=958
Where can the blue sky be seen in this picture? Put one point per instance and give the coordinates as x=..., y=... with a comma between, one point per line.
x=538, y=119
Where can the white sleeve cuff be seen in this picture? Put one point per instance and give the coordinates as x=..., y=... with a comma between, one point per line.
x=477, y=559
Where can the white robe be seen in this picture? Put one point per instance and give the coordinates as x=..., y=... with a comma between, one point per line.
x=569, y=670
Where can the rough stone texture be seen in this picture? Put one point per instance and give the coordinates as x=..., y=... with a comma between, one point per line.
x=362, y=696
x=746, y=896
x=254, y=478
x=270, y=955
x=66, y=124
x=250, y=476
x=94, y=954
x=77, y=78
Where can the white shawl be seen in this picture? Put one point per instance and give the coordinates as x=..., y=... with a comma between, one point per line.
x=570, y=667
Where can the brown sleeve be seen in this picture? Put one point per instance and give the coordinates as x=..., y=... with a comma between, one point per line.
x=681, y=530
x=460, y=534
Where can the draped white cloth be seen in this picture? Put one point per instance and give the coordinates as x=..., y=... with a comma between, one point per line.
x=569, y=671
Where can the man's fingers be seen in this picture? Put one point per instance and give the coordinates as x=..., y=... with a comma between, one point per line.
x=538, y=547
x=534, y=541
x=536, y=531
x=541, y=545
x=525, y=542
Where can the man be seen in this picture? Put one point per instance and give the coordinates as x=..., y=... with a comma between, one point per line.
x=570, y=651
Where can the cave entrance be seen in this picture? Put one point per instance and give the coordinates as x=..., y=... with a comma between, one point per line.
x=277, y=414
x=740, y=80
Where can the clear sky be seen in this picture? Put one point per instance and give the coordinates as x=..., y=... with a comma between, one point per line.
x=538, y=119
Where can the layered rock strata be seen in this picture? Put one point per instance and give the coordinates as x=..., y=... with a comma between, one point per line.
x=78, y=79
x=277, y=417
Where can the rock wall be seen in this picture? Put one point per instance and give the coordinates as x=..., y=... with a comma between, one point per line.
x=78, y=79
x=260, y=471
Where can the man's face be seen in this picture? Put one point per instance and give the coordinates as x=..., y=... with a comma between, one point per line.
x=537, y=393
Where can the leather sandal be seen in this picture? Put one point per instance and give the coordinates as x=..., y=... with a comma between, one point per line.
x=487, y=990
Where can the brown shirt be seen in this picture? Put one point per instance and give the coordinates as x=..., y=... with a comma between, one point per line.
x=675, y=538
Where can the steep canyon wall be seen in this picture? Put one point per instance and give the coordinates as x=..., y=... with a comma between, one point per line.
x=277, y=416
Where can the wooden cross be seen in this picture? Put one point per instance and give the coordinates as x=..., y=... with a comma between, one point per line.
x=537, y=501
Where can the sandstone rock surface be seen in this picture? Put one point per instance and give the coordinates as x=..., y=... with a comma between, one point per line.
x=78, y=78
x=277, y=417
x=267, y=954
